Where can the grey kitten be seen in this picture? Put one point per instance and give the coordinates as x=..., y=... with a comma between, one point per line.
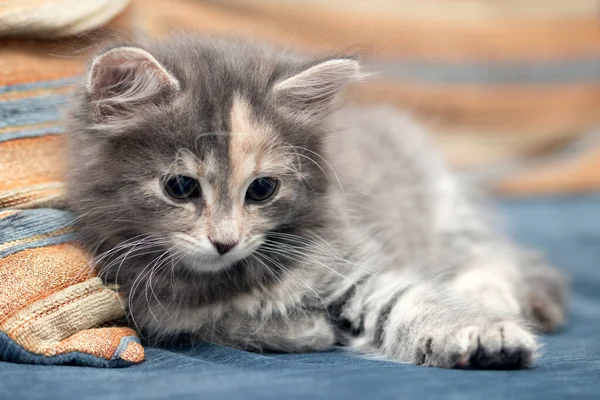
x=220, y=184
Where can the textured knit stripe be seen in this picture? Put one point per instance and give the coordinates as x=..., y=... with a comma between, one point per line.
x=124, y=344
x=24, y=195
x=59, y=237
x=27, y=162
x=108, y=343
x=49, y=300
x=50, y=195
x=6, y=213
x=40, y=326
x=26, y=87
x=12, y=129
x=27, y=229
x=35, y=171
x=134, y=352
x=32, y=223
x=33, y=110
x=12, y=352
x=33, y=274
x=27, y=133
x=29, y=94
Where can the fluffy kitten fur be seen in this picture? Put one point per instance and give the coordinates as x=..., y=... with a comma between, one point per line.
x=369, y=241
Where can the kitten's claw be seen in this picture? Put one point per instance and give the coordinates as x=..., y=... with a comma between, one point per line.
x=503, y=345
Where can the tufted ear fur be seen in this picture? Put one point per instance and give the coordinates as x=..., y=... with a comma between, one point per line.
x=311, y=94
x=124, y=77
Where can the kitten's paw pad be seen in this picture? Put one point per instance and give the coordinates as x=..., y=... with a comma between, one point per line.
x=453, y=350
x=503, y=345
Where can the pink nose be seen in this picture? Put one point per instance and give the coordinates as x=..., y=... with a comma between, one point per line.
x=223, y=248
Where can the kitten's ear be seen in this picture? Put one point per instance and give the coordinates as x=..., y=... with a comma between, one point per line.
x=311, y=94
x=127, y=76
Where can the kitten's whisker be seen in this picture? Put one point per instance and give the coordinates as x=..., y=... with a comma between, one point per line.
x=321, y=244
x=255, y=257
x=110, y=254
x=73, y=220
x=294, y=167
x=325, y=161
x=127, y=242
x=133, y=290
x=287, y=271
x=156, y=269
x=267, y=244
x=147, y=271
x=286, y=253
x=133, y=248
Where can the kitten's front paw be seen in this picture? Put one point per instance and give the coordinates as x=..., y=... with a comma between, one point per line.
x=502, y=345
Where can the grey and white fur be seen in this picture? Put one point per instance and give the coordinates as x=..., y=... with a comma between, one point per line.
x=368, y=242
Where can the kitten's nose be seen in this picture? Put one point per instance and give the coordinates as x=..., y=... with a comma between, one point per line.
x=223, y=248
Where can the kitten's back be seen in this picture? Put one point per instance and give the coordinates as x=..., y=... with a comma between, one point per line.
x=387, y=169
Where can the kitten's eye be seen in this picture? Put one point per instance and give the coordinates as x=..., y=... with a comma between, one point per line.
x=181, y=187
x=261, y=189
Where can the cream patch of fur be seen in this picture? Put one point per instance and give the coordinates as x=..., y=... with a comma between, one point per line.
x=249, y=146
x=224, y=230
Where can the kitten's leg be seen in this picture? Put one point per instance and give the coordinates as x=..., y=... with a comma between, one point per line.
x=298, y=331
x=408, y=319
x=489, y=269
x=513, y=292
x=466, y=307
x=475, y=310
x=510, y=281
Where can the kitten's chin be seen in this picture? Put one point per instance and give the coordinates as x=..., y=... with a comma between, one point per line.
x=207, y=264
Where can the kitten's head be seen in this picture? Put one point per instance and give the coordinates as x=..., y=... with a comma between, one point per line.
x=201, y=148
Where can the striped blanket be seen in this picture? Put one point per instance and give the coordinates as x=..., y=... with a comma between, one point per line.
x=53, y=307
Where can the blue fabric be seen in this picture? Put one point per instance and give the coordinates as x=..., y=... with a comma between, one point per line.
x=10, y=351
x=53, y=84
x=568, y=229
x=43, y=109
x=49, y=225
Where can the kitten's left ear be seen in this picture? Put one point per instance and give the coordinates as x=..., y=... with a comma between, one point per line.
x=311, y=95
x=123, y=77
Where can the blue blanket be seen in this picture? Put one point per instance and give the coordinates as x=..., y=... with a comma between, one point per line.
x=568, y=229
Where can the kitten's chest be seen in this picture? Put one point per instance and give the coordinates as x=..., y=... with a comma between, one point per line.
x=297, y=291
x=292, y=291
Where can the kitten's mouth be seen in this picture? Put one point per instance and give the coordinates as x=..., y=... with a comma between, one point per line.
x=198, y=256
x=202, y=262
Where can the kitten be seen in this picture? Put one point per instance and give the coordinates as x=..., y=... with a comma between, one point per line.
x=220, y=184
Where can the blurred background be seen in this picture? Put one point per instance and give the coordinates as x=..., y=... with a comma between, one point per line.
x=509, y=89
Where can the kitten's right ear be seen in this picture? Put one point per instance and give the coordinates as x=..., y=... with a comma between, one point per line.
x=311, y=95
x=123, y=77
